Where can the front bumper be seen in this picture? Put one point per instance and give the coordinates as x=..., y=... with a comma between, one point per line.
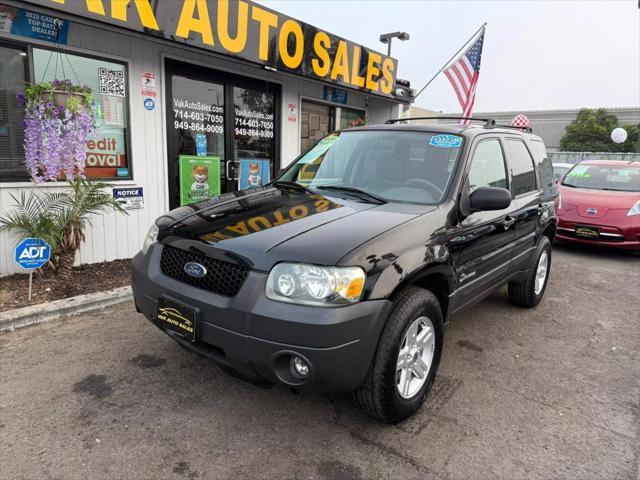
x=254, y=336
x=610, y=236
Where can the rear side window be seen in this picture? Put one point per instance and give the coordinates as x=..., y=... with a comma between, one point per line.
x=546, y=174
x=523, y=173
x=487, y=166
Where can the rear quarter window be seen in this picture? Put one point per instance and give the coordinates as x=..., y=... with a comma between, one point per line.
x=544, y=166
x=522, y=170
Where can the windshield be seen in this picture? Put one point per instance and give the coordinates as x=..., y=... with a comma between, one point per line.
x=620, y=178
x=390, y=165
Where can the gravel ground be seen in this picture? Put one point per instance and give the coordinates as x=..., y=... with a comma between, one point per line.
x=546, y=393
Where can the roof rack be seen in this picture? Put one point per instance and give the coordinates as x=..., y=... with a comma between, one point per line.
x=523, y=129
x=488, y=122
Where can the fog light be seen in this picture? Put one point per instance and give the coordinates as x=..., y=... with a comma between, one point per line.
x=299, y=367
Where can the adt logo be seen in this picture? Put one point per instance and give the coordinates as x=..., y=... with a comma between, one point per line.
x=33, y=253
x=149, y=104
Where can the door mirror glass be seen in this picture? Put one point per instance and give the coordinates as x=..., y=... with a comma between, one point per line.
x=489, y=198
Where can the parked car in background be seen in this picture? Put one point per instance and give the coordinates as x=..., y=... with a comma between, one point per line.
x=559, y=169
x=599, y=204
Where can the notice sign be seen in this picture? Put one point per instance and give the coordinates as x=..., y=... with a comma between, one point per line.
x=148, y=84
x=129, y=198
x=292, y=112
x=199, y=178
x=33, y=24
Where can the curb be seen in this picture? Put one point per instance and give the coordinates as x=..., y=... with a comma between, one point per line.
x=66, y=307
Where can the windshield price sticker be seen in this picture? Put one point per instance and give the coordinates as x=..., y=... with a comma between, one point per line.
x=445, y=141
x=579, y=171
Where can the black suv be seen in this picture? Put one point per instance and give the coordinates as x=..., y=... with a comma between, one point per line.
x=341, y=273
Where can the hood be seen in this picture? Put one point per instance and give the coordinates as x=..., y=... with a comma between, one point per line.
x=267, y=225
x=596, y=203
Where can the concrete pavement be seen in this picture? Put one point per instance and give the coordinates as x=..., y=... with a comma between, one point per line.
x=546, y=393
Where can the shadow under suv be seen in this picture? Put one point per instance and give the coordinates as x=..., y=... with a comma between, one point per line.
x=341, y=273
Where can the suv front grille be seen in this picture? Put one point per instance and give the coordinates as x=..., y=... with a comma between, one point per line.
x=223, y=278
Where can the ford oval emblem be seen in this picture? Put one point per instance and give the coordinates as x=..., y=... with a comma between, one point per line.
x=592, y=211
x=195, y=270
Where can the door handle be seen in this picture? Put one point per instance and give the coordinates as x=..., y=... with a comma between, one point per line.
x=508, y=222
x=235, y=170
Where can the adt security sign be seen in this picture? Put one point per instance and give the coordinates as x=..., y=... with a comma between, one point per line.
x=33, y=253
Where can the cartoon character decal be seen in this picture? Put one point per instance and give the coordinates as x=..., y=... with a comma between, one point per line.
x=200, y=175
x=7, y=15
x=254, y=180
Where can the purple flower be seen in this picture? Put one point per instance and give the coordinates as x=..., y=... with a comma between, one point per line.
x=49, y=105
x=55, y=141
x=56, y=82
x=21, y=99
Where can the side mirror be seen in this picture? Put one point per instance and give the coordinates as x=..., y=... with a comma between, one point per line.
x=489, y=198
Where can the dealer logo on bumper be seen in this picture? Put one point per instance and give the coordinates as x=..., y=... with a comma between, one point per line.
x=195, y=270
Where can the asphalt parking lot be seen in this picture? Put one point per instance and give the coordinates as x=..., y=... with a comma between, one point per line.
x=546, y=393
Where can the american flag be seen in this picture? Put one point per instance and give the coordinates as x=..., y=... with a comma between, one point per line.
x=463, y=75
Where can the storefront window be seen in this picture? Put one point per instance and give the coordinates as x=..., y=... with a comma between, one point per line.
x=107, y=148
x=348, y=117
x=13, y=76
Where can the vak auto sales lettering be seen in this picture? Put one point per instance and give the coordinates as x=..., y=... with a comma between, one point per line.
x=249, y=31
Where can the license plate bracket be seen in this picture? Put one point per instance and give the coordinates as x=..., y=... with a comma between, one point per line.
x=584, y=231
x=177, y=317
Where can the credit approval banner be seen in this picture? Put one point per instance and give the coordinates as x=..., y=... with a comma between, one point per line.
x=249, y=31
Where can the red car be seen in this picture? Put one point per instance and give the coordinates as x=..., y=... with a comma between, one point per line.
x=599, y=204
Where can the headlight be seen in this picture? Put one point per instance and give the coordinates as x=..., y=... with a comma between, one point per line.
x=152, y=236
x=635, y=210
x=314, y=285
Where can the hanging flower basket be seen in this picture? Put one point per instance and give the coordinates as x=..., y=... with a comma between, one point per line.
x=61, y=97
x=58, y=119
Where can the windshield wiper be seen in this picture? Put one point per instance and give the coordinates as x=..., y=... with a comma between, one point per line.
x=290, y=185
x=356, y=192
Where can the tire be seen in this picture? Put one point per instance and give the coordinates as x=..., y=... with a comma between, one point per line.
x=379, y=395
x=523, y=294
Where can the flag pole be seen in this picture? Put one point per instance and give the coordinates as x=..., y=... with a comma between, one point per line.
x=449, y=61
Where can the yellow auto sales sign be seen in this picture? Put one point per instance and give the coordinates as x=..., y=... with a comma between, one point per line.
x=249, y=31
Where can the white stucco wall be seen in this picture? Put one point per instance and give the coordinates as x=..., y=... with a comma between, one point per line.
x=117, y=236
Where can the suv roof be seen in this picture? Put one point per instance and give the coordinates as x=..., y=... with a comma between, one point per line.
x=466, y=130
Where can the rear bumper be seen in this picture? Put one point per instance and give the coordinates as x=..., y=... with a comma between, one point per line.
x=255, y=336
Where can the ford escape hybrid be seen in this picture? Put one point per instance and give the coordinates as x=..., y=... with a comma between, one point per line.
x=340, y=274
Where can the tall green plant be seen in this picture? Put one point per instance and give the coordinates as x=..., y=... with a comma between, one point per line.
x=77, y=207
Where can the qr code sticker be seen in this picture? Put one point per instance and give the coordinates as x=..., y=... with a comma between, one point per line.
x=112, y=82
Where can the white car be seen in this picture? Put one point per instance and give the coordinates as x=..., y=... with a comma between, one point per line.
x=559, y=169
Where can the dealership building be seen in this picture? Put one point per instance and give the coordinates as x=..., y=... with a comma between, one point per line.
x=188, y=93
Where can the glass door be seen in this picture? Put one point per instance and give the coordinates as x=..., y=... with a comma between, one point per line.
x=195, y=134
x=221, y=132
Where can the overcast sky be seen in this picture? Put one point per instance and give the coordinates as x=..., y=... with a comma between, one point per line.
x=537, y=54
